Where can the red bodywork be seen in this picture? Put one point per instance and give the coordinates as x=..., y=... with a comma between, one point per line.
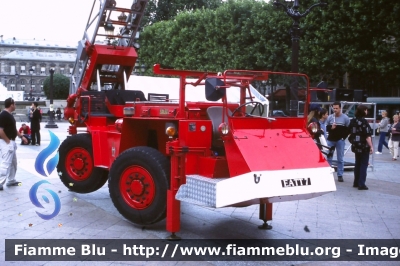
x=151, y=150
x=190, y=150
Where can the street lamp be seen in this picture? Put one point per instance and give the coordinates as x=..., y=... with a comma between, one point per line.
x=30, y=90
x=51, y=123
x=16, y=81
x=295, y=32
x=122, y=17
x=271, y=89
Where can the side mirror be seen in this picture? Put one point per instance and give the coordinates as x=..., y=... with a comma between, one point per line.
x=213, y=93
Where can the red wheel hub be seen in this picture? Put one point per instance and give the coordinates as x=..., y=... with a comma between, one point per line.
x=79, y=164
x=137, y=187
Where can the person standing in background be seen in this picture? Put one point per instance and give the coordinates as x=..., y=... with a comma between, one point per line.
x=361, y=145
x=383, y=130
x=337, y=126
x=36, y=117
x=394, y=139
x=323, y=116
x=58, y=113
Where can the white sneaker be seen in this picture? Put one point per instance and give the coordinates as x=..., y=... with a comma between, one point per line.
x=378, y=152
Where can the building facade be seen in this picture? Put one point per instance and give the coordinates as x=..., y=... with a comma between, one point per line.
x=25, y=64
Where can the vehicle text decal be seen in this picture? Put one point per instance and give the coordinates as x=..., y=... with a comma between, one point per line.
x=296, y=182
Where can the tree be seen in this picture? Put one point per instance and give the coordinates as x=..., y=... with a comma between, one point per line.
x=161, y=10
x=60, y=86
x=238, y=34
x=356, y=37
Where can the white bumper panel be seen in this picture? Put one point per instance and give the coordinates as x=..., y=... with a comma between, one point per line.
x=250, y=188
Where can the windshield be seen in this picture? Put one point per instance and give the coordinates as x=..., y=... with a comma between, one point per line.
x=286, y=94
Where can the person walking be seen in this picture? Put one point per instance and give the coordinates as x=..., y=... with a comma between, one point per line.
x=361, y=145
x=36, y=117
x=394, y=138
x=383, y=130
x=8, y=147
x=337, y=129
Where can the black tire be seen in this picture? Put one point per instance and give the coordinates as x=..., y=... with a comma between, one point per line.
x=138, y=183
x=75, y=165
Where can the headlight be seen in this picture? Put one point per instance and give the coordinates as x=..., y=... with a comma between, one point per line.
x=71, y=120
x=313, y=128
x=223, y=128
x=170, y=131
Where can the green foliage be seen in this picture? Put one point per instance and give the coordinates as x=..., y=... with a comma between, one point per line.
x=354, y=36
x=358, y=37
x=161, y=10
x=60, y=86
x=238, y=34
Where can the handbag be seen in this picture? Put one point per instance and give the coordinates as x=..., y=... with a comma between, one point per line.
x=378, y=130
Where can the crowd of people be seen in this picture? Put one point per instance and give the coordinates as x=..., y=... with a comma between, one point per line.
x=337, y=127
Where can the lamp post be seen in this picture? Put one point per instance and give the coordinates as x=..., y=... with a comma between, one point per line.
x=16, y=81
x=271, y=89
x=51, y=123
x=31, y=90
x=295, y=32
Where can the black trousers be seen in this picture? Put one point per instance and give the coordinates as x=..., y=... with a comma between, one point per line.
x=35, y=136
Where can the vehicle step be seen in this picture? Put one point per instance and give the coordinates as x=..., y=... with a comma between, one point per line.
x=199, y=190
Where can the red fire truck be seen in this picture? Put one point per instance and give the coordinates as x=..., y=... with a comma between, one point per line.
x=156, y=152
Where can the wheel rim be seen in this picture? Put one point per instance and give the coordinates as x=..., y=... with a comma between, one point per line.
x=137, y=187
x=79, y=164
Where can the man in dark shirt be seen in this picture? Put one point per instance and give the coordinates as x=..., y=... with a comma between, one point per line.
x=8, y=147
x=36, y=117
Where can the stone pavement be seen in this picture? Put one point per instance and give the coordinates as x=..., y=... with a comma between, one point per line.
x=345, y=214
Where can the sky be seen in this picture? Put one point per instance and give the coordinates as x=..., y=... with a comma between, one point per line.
x=58, y=20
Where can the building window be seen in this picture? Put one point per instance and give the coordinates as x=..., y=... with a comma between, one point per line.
x=22, y=87
x=12, y=69
x=41, y=87
x=42, y=70
x=70, y=70
x=61, y=70
x=12, y=88
x=22, y=81
x=22, y=69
